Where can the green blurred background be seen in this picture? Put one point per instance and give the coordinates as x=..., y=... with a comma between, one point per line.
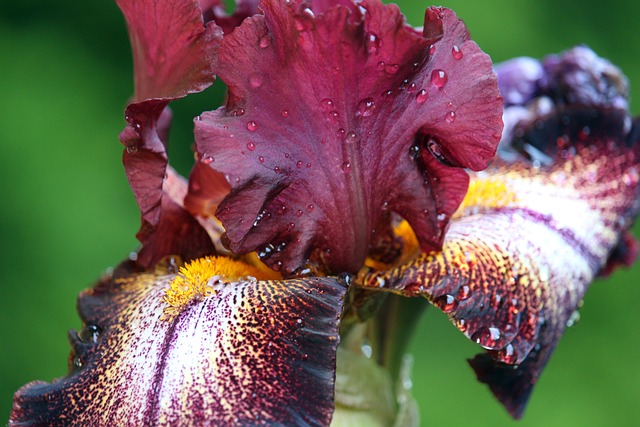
x=67, y=212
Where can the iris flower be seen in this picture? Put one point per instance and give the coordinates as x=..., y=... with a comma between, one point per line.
x=351, y=166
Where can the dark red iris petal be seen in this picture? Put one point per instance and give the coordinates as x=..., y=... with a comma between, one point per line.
x=332, y=117
x=215, y=10
x=174, y=54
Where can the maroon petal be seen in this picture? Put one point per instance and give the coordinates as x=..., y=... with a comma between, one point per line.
x=253, y=353
x=174, y=54
x=528, y=241
x=331, y=113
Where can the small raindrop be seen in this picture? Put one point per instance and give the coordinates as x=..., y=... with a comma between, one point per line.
x=381, y=65
x=132, y=150
x=447, y=303
x=240, y=112
x=422, y=96
x=432, y=49
x=266, y=252
x=351, y=137
x=208, y=159
x=251, y=145
x=255, y=80
x=366, y=107
x=261, y=159
x=373, y=42
x=285, y=113
x=276, y=169
x=508, y=354
x=252, y=126
x=462, y=325
x=299, y=164
x=346, y=167
x=327, y=105
x=412, y=88
x=391, y=68
x=450, y=117
x=265, y=41
x=439, y=78
x=299, y=213
x=387, y=94
x=456, y=52
x=488, y=337
x=89, y=334
x=464, y=292
x=310, y=208
x=341, y=133
x=333, y=116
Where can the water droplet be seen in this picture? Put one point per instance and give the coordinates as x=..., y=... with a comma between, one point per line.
x=276, y=169
x=464, y=292
x=366, y=107
x=508, y=354
x=299, y=213
x=299, y=164
x=252, y=126
x=251, y=145
x=285, y=113
x=391, y=68
x=299, y=323
x=265, y=41
x=414, y=151
x=305, y=357
x=266, y=251
x=351, y=137
x=450, y=117
x=422, y=96
x=310, y=208
x=308, y=165
x=447, y=303
x=90, y=333
x=341, y=133
x=432, y=49
x=346, y=167
x=435, y=149
x=462, y=325
x=381, y=65
x=439, y=78
x=333, y=116
x=240, y=112
x=488, y=337
x=132, y=150
x=208, y=159
x=387, y=94
x=373, y=42
x=256, y=80
x=456, y=52
x=327, y=105
x=261, y=159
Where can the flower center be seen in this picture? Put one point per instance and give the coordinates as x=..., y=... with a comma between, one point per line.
x=198, y=278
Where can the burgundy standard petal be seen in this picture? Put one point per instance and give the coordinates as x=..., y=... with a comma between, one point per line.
x=240, y=357
x=174, y=54
x=334, y=119
x=528, y=241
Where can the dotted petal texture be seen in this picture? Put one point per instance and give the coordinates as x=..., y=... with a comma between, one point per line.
x=254, y=353
x=517, y=261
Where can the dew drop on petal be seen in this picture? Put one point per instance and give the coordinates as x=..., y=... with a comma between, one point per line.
x=310, y=208
x=450, y=117
x=422, y=96
x=462, y=325
x=252, y=126
x=508, y=354
x=285, y=113
x=381, y=65
x=299, y=164
x=446, y=303
x=208, y=159
x=387, y=94
x=412, y=88
x=346, y=167
x=391, y=68
x=456, y=52
x=366, y=107
x=240, y=112
x=351, y=137
x=333, y=116
x=326, y=105
x=341, y=133
x=256, y=80
x=276, y=169
x=373, y=42
x=261, y=159
x=439, y=78
x=432, y=49
x=251, y=145
x=265, y=41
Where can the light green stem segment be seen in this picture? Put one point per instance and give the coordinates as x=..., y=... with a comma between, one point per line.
x=365, y=395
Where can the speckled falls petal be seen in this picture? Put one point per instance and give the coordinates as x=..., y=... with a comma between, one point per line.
x=174, y=54
x=332, y=108
x=253, y=353
x=528, y=241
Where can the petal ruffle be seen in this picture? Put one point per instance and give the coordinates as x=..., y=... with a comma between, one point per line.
x=527, y=242
x=254, y=353
x=331, y=112
x=174, y=54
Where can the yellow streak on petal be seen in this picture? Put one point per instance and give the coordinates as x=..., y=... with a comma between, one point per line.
x=486, y=193
x=195, y=280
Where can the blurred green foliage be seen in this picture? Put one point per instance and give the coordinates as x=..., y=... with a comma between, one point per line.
x=67, y=212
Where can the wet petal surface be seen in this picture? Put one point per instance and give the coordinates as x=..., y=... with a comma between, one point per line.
x=332, y=111
x=252, y=353
x=527, y=242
